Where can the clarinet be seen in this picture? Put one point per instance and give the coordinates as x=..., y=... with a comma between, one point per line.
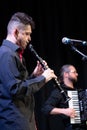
x=45, y=67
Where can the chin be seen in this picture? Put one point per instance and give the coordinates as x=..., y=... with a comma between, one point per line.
x=24, y=47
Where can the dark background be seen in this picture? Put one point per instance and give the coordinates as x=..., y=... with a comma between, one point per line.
x=54, y=20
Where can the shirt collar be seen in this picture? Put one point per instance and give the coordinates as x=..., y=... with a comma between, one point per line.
x=11, y=45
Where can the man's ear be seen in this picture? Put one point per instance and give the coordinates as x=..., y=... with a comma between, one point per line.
x=65, y=74
x=16, y=32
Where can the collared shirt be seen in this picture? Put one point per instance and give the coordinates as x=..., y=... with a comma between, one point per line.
x=16, y=90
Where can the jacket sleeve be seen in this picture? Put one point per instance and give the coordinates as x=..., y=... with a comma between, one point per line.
x=51, y=102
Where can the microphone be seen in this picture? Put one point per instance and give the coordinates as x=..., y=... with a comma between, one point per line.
x=66, y=40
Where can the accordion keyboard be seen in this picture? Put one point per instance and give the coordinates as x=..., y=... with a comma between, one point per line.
x=74, y=103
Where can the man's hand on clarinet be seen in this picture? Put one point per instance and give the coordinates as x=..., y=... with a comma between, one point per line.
x=49, y=74
x=39, y=69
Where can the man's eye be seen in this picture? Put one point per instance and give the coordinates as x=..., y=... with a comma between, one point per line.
x=27, y=34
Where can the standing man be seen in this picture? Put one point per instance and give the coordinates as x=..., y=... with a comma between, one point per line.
x=58, y=111
x=16, y=87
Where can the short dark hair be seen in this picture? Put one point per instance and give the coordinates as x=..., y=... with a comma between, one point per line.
x=23, y=18
x=20, y=19
x=64, y=68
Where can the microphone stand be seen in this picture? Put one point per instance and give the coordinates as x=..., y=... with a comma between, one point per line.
x=79, y=52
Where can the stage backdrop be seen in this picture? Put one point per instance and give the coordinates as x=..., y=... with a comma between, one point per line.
x=54, y=20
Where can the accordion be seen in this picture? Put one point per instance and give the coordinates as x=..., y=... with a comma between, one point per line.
x=78, y=101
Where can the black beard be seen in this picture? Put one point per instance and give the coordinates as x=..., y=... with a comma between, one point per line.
x=73, y=80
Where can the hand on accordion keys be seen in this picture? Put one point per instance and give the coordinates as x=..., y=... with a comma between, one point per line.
x=70, y=112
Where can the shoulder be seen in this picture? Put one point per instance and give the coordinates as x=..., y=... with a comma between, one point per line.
x=56, y=92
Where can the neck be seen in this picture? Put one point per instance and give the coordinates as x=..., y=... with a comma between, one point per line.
x=11, y=38
x=69, y=83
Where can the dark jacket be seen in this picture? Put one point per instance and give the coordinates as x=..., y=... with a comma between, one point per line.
x=16, y=90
